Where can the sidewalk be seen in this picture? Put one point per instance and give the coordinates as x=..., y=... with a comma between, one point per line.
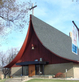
x=13, y=80
x=17, y=79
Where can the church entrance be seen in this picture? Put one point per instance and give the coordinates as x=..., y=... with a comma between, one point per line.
x=31, y=70
x=36, y=70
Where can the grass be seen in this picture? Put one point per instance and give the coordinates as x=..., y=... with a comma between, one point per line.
x=51, y=80
x=2, y=80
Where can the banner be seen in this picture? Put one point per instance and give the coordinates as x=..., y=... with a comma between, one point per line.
x=74, y=36
x=74, y=40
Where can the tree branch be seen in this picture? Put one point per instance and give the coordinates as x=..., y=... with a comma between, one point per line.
x=6, y=19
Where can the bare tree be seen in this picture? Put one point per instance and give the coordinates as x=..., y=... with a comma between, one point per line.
x=12, y=54
x=12, y=11
x=2, y=64
x=14, y=14
x=2, y=58
x=6, y=60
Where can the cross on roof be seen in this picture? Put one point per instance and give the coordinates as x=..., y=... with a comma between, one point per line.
x=32, y=8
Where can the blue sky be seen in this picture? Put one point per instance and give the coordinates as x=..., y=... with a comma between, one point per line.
x=57, y=13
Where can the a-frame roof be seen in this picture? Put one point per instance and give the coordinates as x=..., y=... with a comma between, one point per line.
x=51, y=38
x=54, y=40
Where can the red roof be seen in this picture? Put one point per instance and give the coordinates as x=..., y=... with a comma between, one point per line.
x=19, y=55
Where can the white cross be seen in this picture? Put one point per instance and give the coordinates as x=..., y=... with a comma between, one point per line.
x=32, y=8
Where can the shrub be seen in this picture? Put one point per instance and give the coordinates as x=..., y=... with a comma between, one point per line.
x=60, y=75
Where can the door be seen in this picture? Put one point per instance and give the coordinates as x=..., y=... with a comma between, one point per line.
x=31, y=70
x=39, y=69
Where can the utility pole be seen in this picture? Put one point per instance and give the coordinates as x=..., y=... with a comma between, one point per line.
x=75, y=25
x=32, y=8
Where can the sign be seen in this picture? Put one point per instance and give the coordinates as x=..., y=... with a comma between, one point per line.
x=74, y=40
x=74, y=49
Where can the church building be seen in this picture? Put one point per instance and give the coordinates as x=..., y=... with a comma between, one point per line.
x=45, y=51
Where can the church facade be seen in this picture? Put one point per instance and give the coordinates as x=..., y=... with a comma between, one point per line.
x=45, y=51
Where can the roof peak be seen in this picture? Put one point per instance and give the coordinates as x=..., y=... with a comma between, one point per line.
x=53, y=39
x=32, y=16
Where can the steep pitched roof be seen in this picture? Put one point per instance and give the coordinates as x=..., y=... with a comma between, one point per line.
x=19, y=55
x=51, y=38
x=54, y=40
